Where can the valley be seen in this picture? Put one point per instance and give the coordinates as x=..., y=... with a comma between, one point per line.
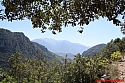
x=50, y=58
x=62, y=41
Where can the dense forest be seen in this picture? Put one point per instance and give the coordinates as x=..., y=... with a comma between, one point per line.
x=40, y=69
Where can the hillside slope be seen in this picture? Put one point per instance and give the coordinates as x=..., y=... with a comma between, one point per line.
x=12, y=42
x=95, y=49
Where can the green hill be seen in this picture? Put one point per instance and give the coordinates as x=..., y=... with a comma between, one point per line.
x=12, y=42
x=95, y=49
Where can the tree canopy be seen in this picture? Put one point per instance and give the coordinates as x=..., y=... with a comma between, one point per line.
x=53, y=14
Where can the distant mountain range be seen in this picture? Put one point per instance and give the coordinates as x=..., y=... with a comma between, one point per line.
x=61, y=46
x=12, y=42
x=95, y=49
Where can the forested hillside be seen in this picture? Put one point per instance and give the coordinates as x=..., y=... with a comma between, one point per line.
x=26, y=65
x=40, y=68
x=93, y=50
x=107, y=49
x=12, y=42
x=113, y=46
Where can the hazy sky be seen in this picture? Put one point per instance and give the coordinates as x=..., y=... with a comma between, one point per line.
x=100, y=31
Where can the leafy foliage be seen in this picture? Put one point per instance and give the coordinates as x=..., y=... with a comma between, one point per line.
x=81, y=70
x=56, y=13
x=114, y=46
x=116, y=55
x=9, y=79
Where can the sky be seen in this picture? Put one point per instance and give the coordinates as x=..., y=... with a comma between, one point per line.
x=97, y=32
x=100, y=31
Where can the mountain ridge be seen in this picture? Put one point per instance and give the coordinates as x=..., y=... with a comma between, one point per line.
x=12, y=42
x=61, y=46
x=95, y=49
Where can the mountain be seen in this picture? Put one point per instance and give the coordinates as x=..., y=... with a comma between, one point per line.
x=61, y=46
x=12, y=42
x=95, y=49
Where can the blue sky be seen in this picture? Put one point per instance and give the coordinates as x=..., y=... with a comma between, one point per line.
x=100, y=31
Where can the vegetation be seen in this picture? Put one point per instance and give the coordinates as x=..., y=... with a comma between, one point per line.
x=81, y=70
x=17, y=67
x=12, y=42
x=116, y=55
x=117, y=46
x=114, y=46
x=53, y=14
x=94, y=50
